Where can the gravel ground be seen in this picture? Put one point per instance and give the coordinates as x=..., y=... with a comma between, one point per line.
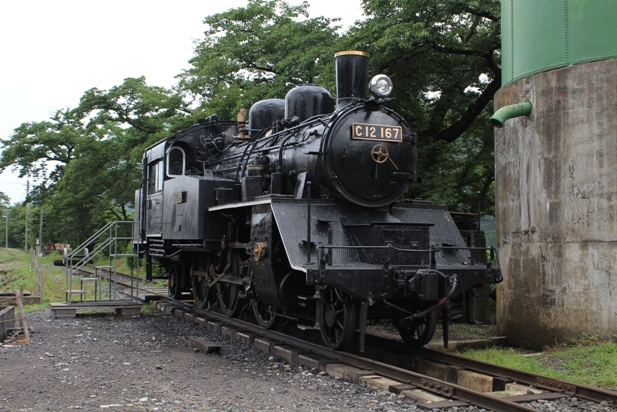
x=146, y=363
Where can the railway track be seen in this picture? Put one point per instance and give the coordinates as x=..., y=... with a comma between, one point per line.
x=438, y=379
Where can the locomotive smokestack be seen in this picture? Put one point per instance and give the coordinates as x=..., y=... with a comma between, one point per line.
x=351, y=76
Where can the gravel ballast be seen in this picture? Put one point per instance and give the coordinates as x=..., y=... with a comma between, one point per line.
x=147, y=363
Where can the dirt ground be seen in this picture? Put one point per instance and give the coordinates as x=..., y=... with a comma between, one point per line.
x=146, y=363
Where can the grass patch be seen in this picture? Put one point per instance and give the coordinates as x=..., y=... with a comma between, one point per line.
x=149, y=308
x=16, y=262
x=587, y=362
x=465, y=331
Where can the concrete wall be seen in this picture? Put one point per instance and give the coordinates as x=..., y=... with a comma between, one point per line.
x=556, y=206
x=7, y=316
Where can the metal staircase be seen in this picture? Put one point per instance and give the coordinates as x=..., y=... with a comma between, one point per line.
x=102, y=287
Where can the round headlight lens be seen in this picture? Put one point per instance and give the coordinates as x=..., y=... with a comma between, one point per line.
x=380, y=86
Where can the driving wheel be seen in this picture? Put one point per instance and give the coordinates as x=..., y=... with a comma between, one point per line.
x=265, y=314
x=228, y=290
x=200, y=279
x=175, y=279
x=200, y=291
x=339, y=323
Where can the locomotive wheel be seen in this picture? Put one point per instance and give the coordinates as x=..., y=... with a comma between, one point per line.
x=228, y=298
x=175, y=280
x=200, y=290
x=228, y=292
x=265, y=315
x=420, y=331
x=339, y=324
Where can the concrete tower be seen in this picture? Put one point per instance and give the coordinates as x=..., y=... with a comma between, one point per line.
x=556, y=170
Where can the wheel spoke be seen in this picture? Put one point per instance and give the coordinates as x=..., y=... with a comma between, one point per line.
x=338, y=328
x=200, y=291
x=228, y=292
x=175, y=279
x=228, y=298
x=265, y=315
x=419, y=331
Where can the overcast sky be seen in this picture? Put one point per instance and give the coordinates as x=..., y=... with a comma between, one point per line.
x=52, y=51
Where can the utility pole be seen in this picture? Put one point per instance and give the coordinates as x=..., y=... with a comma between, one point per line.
x=6, y=242
x=27, y=213
x=41, y=232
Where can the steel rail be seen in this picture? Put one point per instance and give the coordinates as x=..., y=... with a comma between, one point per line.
x=528, y=378
x=552, y=384
x=433, y=385
x=424, y=382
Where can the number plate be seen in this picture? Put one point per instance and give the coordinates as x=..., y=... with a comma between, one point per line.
x=179, y=197
x=381, y=132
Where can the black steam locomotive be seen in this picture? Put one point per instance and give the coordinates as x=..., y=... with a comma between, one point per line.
x=295, y=215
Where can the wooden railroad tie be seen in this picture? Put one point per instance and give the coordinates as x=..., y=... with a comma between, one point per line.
x=202, y=345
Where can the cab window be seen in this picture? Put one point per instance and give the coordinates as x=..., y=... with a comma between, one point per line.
x=175, y=162
x=155, y=177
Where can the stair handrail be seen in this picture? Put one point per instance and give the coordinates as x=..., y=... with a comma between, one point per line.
x=110, y=241
x=82, y=262
x=91, y=239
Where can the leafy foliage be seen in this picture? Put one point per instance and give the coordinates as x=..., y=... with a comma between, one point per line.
x=96, y=151
x=33, y=146
x=443, y=56
x=148, y=111
x=455, y=174
x=257, y=52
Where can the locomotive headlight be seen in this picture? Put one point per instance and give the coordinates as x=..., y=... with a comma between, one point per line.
x=380, y=86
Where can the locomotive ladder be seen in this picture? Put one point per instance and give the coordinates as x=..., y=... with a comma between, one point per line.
x=101, y=289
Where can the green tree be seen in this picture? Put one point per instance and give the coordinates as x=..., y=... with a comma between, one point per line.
x=95, y=151
x=16, y=225
x=443, y=57
x=257, y=52
x=99, y=184
x=454, y=173
x=36, y=147
x=5, y=202
x=148, y=112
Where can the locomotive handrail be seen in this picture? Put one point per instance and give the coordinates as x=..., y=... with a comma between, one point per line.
x=399, y=249
x=391, y=247
x=375, y=247
x=253, y=143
